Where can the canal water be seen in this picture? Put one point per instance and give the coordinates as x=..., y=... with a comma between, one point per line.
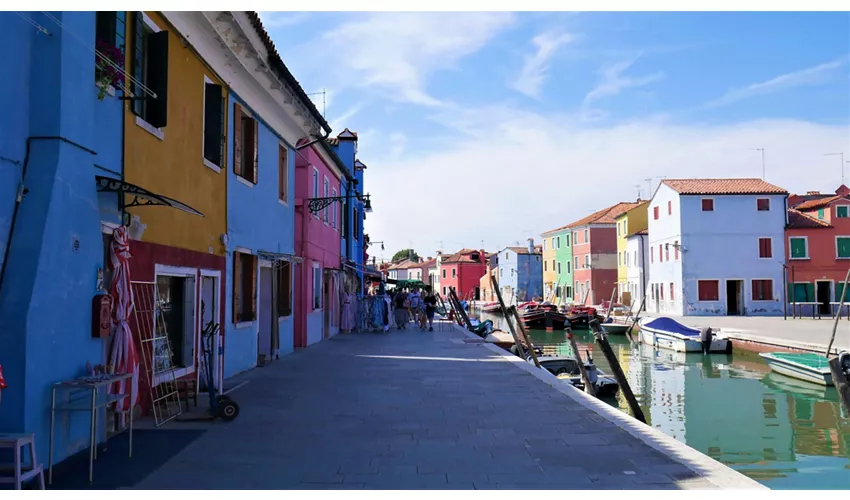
x=783, y=433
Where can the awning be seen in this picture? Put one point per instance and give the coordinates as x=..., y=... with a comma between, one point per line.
x=278, y=257
x=141, y=197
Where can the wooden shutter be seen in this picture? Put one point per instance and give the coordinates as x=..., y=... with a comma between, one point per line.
x=256, y=136
x=212, y=123
x=237, y=139
x=282, y=172
x=237, y=287
x=157, y=79
x=137, y=61
x=254, y=262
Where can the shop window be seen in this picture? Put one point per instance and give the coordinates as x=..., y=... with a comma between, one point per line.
x=150, y=69
x=245, y=139
x=244, y=287
x=177, y=305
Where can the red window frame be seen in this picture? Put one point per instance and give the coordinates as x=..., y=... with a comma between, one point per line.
x=655, y=213
x=763, y=204
x=676, y=249
x=708, y=204
x=708, y=290
x=765, y=248
x=661, y=253
x=672, y=296
x=667, y=251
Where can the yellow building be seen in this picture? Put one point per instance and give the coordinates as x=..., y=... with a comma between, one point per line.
x=550, y=273
x=628, y=223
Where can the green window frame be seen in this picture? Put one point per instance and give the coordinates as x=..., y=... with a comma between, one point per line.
x=842, y=211
x=798, y=246
x=842, y=247
x=820, y=214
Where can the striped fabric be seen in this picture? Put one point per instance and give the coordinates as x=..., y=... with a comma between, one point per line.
x=124, y=358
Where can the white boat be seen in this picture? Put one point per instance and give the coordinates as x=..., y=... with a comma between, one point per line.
x=808, y=366
x=667, y=333
x=615, y=328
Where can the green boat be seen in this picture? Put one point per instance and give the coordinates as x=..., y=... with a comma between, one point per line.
x=808, y=366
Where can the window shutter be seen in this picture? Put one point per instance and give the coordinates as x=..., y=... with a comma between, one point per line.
x=282, y=172
x=137, y=61
x=237, y=139
x=212, y=123
x=157, y=79
x=254, y=262
x=222, y=153
x=256, y=156
x=237, y=287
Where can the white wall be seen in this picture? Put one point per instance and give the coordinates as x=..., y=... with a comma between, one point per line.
x=636, y=248
x=666, y=230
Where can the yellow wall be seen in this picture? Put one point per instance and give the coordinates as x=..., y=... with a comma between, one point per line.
x=174, y=166
x=628, y=222
x=550, y=275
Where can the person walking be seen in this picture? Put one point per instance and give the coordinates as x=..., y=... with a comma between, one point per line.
x=415, y=300
x=430, y=302
x=400, y=310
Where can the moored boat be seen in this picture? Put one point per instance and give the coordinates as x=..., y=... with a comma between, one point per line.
x=615, y=328
x=667, y=333
x=809, y=366
x=567, y=369
x=491, y=307
x=580, y=315
x=543, y=316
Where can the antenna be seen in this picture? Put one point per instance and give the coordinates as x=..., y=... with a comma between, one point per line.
x=324, y=101
x=649, y=184
x=637, y=186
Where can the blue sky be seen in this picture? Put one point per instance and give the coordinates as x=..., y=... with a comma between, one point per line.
x=501, y=115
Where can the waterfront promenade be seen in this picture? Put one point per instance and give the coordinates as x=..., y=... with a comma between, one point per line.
x=426, y=410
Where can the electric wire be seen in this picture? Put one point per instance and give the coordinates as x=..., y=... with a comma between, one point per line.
x=31, y=21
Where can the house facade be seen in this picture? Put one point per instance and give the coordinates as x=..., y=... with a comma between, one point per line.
x=628, y=223
x=818, y=249
x=520, y=273
x=549, y=274
x=353, y=242
x=594, y=240
x=637, y=269
x=558, y=265
x=714, y=247
x=463, y=271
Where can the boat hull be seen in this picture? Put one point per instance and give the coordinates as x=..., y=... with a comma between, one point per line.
x=614, y=328
x=677, y=342
x=547, y=319
x=799, y=371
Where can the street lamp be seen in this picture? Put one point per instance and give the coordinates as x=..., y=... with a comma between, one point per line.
x=316, y=205
x=842, y=163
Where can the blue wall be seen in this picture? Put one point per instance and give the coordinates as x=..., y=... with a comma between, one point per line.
x=57, y=245
x=522, y=272
x=346, y=149
x=256, y=220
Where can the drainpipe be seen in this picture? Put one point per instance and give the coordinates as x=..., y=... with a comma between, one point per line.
x=23, y=190
x=306, y=145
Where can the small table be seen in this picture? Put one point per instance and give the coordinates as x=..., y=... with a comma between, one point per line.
x=834, y=306
x=798, y=306
x=94, y=385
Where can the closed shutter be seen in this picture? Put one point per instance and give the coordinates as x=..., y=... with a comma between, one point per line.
x=708, y=290
x=256, y=137
x=843, y=247
x=839, y=289
x=212, y=123
x=157, y=79
x=801, y=292
x=137, y=61
x=237, y=287
x=254, y=262
x=237, y=139
x=282, y=172
x=798, y=248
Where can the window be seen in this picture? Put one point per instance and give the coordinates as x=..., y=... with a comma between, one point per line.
x=669, y=208
x=284, y=289
x=842, y=211
x=177, y=303
x=618, y=229
x=356, y=224
x=150, y=68
x=507, y=256
x=567, y=238
x=214, y=137
x=553, y=264
x=672, y=295
x=586, y=236
x=568, y=291
x=326, y=190
x=545, y=267
x=661, y=253
x=282, y=173
x=762, y=289
x=544, y=243
x=651, y=254
x=763, y=204
x=619, y=258
x=110, y=32
x=799, y=247
x=334, y=209
x=667, y=251
x=676, y=249
x=558, y=241
x=765, y=248
x=587, y=261
x=553, y=243
x=569, y=270
x=576, y=262
x=444, y=275
x=559, y=268
x=708, y=205
x=244, y=287
x=661, y=290
x=245, y=136
x=317, y=286
x=820, y=214
x=444, y=290
x=315, y=186
x=501, y=273
x=454, y=272
x=655, y=213
x=842, y=247
x=708, y=290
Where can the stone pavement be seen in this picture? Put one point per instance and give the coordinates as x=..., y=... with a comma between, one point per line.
x=415, y=410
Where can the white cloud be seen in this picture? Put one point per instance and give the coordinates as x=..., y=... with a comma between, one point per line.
x=339, y=122
x=394, y=53
x=282, y=19
x=613, y=81
x=810, y=76
x=526, y=171
x=534, y=71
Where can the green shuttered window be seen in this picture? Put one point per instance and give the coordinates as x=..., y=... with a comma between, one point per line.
x=799, y=248
x=842, y=244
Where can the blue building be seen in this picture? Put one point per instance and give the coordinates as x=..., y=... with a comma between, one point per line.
x=56, y=135
x=353, y=242
x=521, y=272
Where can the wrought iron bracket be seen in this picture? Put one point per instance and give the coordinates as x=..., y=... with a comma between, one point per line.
x=316, y=205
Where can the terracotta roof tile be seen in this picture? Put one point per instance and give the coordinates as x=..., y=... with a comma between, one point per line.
x=799, y=220
x=606, y=215
x=641, y=232
x=816, y=203
x=723, y=186
x=462, y=256
x=523, y=250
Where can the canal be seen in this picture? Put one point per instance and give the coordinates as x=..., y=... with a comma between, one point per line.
x=784, y=433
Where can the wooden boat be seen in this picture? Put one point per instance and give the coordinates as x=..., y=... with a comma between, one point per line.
x=580, y=315
x=502, y=339
x=543, y=316
x=808, y=366
x=567, y=369
x=615, y=327
x=667, y=333
x=492, y=308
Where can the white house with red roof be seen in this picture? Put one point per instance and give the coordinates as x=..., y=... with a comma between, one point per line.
x=716, y=247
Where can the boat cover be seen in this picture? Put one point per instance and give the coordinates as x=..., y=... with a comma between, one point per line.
x=670, y=325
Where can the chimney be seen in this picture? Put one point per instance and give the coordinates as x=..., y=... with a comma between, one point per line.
x=531, y=245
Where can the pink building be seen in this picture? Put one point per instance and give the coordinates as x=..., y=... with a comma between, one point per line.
x=319, y=276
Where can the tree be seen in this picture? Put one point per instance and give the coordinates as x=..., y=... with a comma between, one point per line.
x=407, y=253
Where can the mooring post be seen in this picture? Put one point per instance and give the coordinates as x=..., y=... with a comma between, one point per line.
x=588, y=387
x=602, y=340
x=525, y=335
x=508, y=319
x=460, y=308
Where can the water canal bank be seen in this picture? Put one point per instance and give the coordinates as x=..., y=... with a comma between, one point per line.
x=783, y=433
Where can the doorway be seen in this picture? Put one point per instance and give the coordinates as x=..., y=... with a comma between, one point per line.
x=264, y=311
x=734, y=297
x=823, y=295
x=210, y=313
x=329, y=306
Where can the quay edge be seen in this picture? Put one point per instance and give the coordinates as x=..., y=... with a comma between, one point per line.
x=706, y=467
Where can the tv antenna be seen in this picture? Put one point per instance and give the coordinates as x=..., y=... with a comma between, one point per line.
x=324, y=95
x=637, y=186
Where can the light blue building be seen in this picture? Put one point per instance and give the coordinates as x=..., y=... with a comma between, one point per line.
x=521, y=272
x=55, y=137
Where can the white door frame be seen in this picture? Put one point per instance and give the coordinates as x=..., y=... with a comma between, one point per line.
x=218, y=345
x=181, y=272
x=261, y=264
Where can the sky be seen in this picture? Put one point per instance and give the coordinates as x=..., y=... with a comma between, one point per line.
x=488, y=128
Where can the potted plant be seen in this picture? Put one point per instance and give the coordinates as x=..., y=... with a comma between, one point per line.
x=106, y=74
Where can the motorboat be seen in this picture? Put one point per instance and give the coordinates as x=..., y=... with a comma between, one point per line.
x=667, y=333
x=612, y=327
x=543, y=316
x=567, y=369
x=491, y=308
x=809, y=366
x=579, y=315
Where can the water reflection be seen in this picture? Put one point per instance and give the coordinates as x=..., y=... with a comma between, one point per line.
x=785, y=433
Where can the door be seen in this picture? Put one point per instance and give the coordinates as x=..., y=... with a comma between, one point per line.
x=210, y=314
x=264, y=311
x=656, y=298
x=734, y=306
x=823, y=296
x=328, y=302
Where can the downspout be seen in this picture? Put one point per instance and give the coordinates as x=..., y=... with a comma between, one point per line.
x=308, y=144
x=23, y=190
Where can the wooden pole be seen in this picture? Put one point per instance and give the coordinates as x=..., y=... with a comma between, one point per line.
x=602, y=340
x=508, y=319
x=637, y=317
x=842, y=384
x=525, y=336
x=459, y=307
x=610, y=304
x=588, y=387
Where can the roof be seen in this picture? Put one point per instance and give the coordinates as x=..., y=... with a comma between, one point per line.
x=463, y=256
x=722, y=186
x=429, y=263
x=639, y=203
x=642, y=232
x=606, y=215
x=523, y=250
x=799, y=220
x=818, y=203
x=277, y=64
x=344, y=135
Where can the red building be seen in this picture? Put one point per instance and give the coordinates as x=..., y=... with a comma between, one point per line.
x=595, y=254
x=818, y=247
x=463, y=271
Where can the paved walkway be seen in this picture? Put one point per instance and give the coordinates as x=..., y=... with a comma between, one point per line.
x=418, y=410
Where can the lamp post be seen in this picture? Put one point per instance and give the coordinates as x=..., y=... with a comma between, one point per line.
x=842, y=163
x=316, y=205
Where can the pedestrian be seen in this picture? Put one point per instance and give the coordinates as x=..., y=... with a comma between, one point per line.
x=400, y=310
x=430, y=302
x=347, y=320
x=415, y=300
